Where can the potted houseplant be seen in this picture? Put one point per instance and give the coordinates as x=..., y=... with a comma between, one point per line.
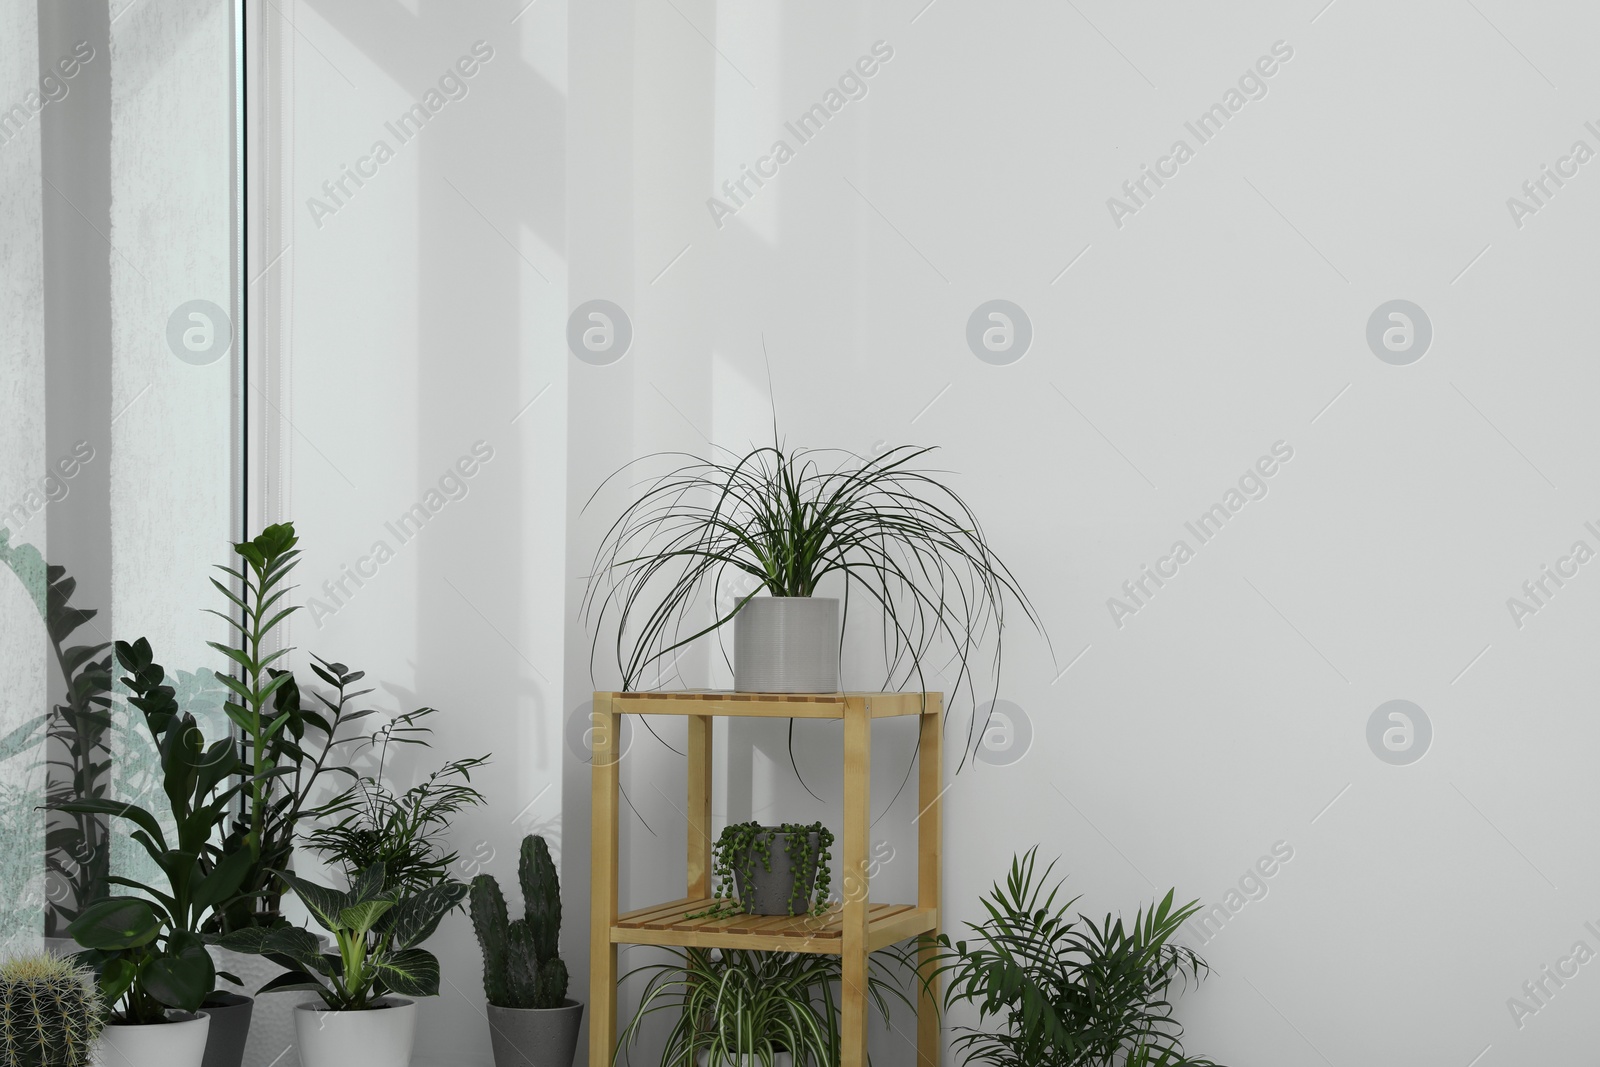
x=1067, y=989
x=365, y=1018
x=154, y=970
x=287, y=746
x=743, y=1008
x=531, y=1021
x=50, y=1012
x=787, y=523
x=771, y=870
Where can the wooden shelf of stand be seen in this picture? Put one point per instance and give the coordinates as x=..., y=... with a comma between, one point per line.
x=672, y=924
x=851, y=930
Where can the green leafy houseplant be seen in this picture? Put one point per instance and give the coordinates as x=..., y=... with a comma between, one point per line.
x=785, y=521
x=737, y=1007
x=78, y=761
x=50, y=1012
x=376, y=932
x=373, y=823
x=284, y=747
x=522, y=965
x=742, y=846
x=147, y=949
x=1068, y=992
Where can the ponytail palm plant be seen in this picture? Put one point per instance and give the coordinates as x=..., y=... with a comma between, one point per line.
x=786, y=521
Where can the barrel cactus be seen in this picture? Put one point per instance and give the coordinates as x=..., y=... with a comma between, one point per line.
x=522, y=966
x=50, y=1012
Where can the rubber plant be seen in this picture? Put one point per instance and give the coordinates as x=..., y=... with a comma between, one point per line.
x=377, y=931
x=522, y=965
x=743, y=845
x=148, y=949
x=788, y=521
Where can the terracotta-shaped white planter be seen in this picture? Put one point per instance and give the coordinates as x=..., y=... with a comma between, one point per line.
x=179, y=1043
x=377, y=1037
x=779, y=1059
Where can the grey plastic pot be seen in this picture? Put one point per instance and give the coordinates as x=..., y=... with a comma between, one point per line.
x=230, y=1029
x=772, y=892
x=535, y=1037
x=787, y=644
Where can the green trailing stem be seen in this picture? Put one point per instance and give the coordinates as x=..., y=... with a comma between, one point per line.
x=50, y=1012
x=742, y=845
x=522, y=965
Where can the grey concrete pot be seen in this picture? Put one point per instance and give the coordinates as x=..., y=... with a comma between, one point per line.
x=786, y=644
x=230, y=1029
x=535, y=1037
x=271, y=1035
x=772, y=892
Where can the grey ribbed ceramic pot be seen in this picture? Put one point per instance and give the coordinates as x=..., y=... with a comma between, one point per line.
x=772, y=892
x=535, y=1037
x=230, y=1029
x=787, y=644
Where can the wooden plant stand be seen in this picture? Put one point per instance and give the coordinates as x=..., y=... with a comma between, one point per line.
x=851, y=931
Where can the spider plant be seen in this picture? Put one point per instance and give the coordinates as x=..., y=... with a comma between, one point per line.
x=786, y=521
x=744, y=1007
x=1068, y=992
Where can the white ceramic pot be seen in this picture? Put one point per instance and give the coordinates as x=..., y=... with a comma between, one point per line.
x=377, y=1037
x=179, y=1043
x=779, y=1059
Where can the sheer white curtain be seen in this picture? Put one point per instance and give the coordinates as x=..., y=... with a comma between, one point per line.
x=118, y=391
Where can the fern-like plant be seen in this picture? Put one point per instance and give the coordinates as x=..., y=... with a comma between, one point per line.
x=1067, y=991
x=50, y=1012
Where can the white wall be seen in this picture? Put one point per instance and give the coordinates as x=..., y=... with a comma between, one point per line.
x=1229, y=313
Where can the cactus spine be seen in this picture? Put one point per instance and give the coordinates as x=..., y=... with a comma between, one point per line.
x=522, y=966
x=50, y=1012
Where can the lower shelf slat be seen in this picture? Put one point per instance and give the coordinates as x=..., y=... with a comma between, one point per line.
x=670, y=924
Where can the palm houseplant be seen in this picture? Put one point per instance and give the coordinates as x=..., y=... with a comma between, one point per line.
x=365, y=1017
x=1054, y=990
x=746, y=1008
x=531, y=1020
x=765, y=535
x=147, y=949
x=389, y=844
x=51, y=1013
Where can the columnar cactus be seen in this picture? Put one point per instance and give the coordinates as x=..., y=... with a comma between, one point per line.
x=50, y=1012
x=522, y=966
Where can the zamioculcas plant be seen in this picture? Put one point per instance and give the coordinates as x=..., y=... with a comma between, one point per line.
x=522, y=966
x=50, y=1012
x=147, y=949
x=284, y=747
x=78, y=762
